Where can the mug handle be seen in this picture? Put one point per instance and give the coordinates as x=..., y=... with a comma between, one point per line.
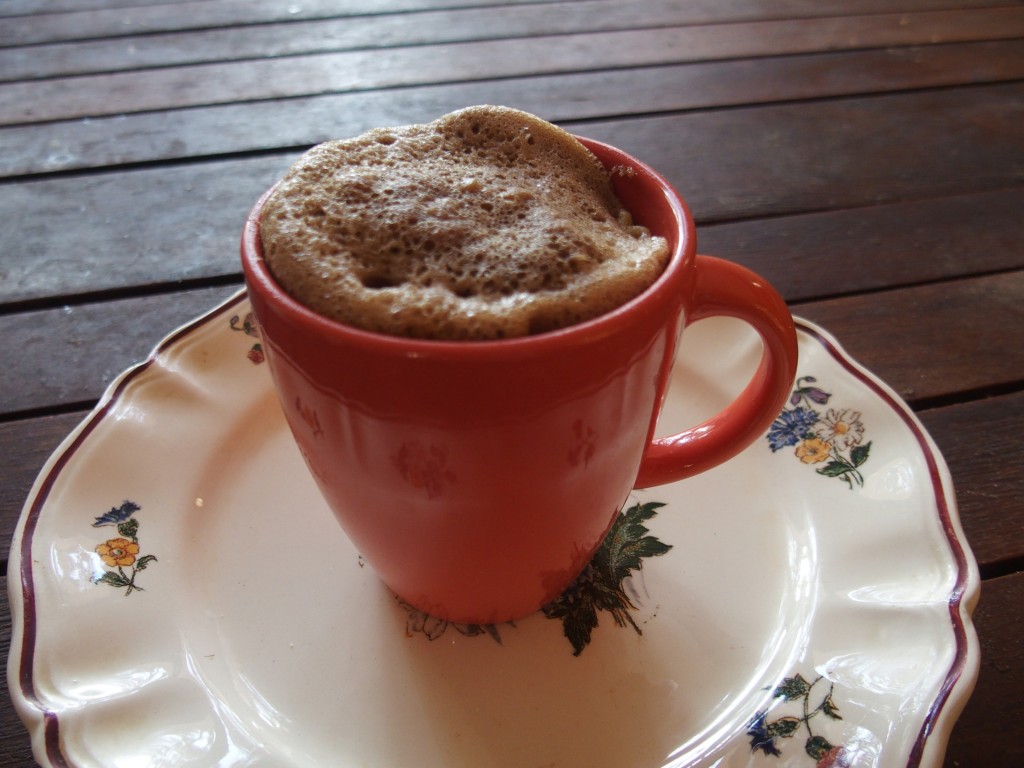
x=727, y=289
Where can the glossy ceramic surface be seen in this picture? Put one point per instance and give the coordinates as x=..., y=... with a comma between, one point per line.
x=508, y=460
x=183, y=597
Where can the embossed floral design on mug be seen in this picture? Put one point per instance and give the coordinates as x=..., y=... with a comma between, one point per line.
x=478, y=477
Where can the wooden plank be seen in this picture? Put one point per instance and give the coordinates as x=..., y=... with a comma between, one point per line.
x=237, y=128
x=122, y=19
x=25, y=445
x=978, y=440
x=322, y=35
x=932, y=342
x=203, y=14
x=984, y=734
x=729, y=164
x=876, y=248
x=68, y=356
x=294, y=38
x=302, y=37
x=312, y=74
x=191, y=216
x=29, y=7
x=15, y=748
x=782, y=159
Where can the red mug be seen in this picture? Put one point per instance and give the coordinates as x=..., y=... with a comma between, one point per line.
x=478, y=478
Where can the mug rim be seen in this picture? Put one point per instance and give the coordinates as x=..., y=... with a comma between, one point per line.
x=682, y=257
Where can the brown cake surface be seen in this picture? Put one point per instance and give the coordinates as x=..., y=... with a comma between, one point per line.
x=486, y=223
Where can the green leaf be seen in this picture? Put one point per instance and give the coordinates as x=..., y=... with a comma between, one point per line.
x=129, y=528
x=784, y=727
x=830, y=709
x=113, y=578
x=817, y=747
x=577, y=610
x=627, y=544
x=860, y=454
x=142, y=562
x=613, y=598
x=792, y=688
x=650, y=546
x=578, y=624
x=599, y=588
x=605, y=596
x=835, y=469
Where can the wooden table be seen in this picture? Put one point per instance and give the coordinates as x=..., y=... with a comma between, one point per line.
x=866, y=156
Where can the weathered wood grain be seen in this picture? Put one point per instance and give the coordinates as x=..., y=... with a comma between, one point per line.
x=386, y=30
x=15, y=748
x=261, y=126
x=832, y=154
x=979, y=440
x=934, y=341
x=315, y=36
x=30, y=7
x=121, y=19
x=142, y=227
x=25, y=445
x=985, y=733
x=312, y=74
x=880, y=247
x=112, y=18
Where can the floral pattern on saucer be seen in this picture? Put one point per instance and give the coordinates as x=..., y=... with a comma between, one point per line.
x=121, y=553
x=797, y=691
x=249, y=327
x=835, y=439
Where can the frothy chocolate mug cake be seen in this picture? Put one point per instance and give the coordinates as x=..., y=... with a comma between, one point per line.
x=487, y=223
x=478, y=478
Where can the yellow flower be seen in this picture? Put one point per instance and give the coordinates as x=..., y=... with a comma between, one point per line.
x=813, y=450
x=118, y=552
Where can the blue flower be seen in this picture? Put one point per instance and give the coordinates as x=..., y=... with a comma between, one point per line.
x=759, y=738
x=117, y=514
x=791, y=427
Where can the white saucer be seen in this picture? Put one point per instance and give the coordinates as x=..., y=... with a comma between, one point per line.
x=253, y=635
